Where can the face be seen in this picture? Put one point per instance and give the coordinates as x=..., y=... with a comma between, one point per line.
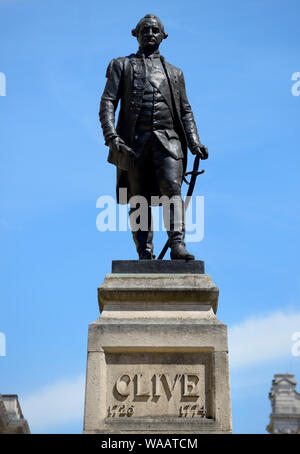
x=150, y=35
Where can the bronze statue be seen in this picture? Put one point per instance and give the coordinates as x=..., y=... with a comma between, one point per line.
x=154, y=129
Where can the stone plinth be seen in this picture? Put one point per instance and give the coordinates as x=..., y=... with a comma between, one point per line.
x=157, y=357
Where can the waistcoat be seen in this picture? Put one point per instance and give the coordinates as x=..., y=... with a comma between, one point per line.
x=155, y=113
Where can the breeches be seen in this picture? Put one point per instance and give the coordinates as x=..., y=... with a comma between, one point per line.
x=155, y=162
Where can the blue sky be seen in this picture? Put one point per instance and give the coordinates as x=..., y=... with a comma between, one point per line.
x=238, y=59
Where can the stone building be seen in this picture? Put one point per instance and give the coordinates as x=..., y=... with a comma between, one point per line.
x=11, y=417
x=285, y=401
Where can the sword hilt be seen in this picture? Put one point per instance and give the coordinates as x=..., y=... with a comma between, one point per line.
x=193, y=172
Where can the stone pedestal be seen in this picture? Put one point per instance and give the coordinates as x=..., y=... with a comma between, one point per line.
x=157, y=355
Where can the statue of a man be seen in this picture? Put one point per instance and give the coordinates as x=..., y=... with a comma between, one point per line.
x=155, y=127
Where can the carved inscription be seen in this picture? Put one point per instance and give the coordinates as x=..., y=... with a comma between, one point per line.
x=158, y=385
x=190, y=411
x=120, y=410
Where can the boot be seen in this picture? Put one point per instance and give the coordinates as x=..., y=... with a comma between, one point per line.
x=143, y=239
x=144, y=245
x=176, y=229
x=179, y=252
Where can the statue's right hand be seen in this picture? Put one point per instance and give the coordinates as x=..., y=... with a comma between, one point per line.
x=118, y=144
x=123, y=147
x=114, y=144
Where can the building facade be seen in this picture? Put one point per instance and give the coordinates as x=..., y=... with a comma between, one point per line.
x=285, y=401
x=11, y=417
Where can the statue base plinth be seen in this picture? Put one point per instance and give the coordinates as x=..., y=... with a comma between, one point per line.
x=157, y=267
x=157, y=356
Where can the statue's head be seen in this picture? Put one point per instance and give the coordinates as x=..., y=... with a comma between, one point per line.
x=149, y=32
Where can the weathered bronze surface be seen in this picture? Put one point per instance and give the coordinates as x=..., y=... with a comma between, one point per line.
x=155, y=127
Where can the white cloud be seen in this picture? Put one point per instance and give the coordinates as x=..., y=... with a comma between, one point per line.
x=262, y=339
x=59, y=403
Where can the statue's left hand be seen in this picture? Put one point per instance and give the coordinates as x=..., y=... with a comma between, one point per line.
x=201, y=151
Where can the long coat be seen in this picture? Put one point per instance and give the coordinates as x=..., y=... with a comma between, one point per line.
x=126, y=80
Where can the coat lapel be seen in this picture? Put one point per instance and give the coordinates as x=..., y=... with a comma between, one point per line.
x=162, y=84
x=173, y=83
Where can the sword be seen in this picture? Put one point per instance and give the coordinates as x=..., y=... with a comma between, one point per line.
x=194, y=173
